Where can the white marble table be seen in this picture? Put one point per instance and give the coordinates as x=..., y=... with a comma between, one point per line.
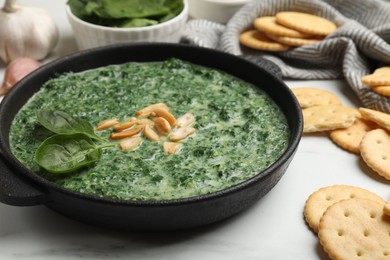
x=274, y=228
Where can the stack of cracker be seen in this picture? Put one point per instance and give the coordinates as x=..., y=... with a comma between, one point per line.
x=379, y=81
x=351, y=222
x=363, y=131
x=286, y=30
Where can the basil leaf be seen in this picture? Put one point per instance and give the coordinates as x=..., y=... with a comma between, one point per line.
x=62, y=123
x=67, y=153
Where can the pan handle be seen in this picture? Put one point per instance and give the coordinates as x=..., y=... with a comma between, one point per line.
x=16, y=191
x=265, y=64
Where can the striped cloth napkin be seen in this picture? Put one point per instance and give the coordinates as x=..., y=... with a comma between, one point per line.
x=359, y=45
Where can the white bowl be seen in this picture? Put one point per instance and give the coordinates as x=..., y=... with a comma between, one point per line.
x=219, y=11
x=90, y=35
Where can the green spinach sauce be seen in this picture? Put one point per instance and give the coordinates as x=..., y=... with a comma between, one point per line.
x=240, y=131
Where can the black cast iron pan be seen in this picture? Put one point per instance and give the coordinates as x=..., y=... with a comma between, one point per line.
x=22, y=187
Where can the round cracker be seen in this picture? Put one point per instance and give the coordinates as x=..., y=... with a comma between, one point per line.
x=320, y=200
x=375, y=151
x=268, y=25
x=386, y=209
x=309, y=97
x=382, y=90
x=380, y=77
x=349, y=138
x=258, y=40
x=306, y=23
x=355, y=229
x=295, y=42
x=328, y=117
x=375, y=116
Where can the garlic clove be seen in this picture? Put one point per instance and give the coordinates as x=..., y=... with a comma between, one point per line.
x=17, y=70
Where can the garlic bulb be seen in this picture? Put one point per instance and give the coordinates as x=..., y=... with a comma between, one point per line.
x=26, y=31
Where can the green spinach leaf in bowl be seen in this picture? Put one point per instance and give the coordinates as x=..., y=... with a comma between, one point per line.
x=126, y=13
